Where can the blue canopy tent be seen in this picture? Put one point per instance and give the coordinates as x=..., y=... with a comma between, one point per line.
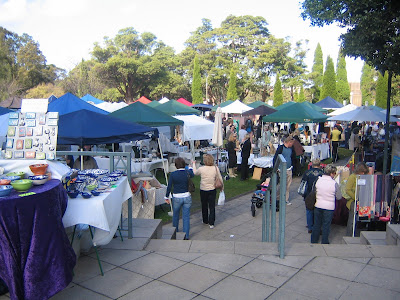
x=84, y=127
x=89, y=98
x=69, y=103
x=52, y=98
x=4, y=111
x=329, y=103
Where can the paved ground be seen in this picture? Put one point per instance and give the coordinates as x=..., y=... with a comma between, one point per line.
x=230, y=262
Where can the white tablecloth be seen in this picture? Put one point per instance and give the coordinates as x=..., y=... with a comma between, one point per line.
x=136, y=167
x=261, y=162
x=320, y=151
x=56, y=168
x=102, y=212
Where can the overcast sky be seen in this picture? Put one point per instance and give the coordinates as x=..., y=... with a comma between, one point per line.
x=67, y=30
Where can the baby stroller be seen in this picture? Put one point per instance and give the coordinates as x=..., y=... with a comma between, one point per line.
x=257, y=199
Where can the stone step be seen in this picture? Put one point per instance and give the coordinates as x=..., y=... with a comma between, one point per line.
x=180, y=236
x=143, y=228
x=349, y=240
x=373, y=237
x=393, y=234
x=168, y=232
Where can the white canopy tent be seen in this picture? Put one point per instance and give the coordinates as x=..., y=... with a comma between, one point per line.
x=196, y=128
x=236, y=107
x=163, y=100
x=111, y=106
x=344, y=109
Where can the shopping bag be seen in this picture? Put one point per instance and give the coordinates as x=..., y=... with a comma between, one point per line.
x=221, y=198
x=302, y=188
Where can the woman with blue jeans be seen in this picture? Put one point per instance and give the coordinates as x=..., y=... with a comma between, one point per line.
x=181, y=198
x=327, y=191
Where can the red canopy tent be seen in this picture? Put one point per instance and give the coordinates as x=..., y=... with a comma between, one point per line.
x=143, y=100
x=184, y=101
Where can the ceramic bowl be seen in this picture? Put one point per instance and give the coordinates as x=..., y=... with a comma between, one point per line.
x=38, y=179
x=86, y=195
x=21, y=185
x=114, y=177
x=5, y=181
x=5, y=190
x=73, y=194
x=91, y=187
x=39, y=169
x=118, y=172
x=13, y=178
x=20, y=174
x=95, y=193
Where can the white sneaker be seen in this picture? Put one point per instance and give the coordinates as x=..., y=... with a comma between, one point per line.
x=211, y=226
x=288, y=203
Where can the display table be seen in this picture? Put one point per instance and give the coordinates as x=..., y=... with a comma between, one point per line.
x=261, y=162
x=56, y=168
x=320, y=151
x=136, y=165
x=36, y=258
x=102, y=212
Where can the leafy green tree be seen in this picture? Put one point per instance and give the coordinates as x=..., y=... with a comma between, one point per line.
x=381, y=90
x=329, y=86
x=317, y=73
x=197, y=95
x=342, y=84
x=232, y=92
x=302, y=97
x=278, y=93
x=368, y=84
x=44, y=90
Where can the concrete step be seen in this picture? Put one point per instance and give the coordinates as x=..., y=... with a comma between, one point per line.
x=373, y=237
x=180, y=236
x=168, y=232
x=144, y=228
x=393, y=234
x=349, y=240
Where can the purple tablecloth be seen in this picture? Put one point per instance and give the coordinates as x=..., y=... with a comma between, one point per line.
x=36, y=259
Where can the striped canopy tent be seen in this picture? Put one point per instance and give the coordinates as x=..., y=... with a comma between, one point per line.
x=184, y=101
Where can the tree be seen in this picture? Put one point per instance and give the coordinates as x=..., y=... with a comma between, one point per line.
x=317, y=72
x=342, y=84
x=197, y=95
x=302, y=97
x=329, y=86
x=381, y=90
x=232, y=93
x=278, y=94
x=368, y=84
x=43, y=90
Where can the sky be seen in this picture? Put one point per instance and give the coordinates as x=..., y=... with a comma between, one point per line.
x=67, y=29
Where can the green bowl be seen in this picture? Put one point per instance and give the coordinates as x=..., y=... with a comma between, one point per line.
x=91, y=187
x=20, y=174
x=21, y=185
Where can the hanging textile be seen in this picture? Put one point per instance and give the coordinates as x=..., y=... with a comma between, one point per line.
x=365, y=195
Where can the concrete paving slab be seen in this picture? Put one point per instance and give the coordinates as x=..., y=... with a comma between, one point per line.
x=128, y=244
x=116, y=283
x=168, y=245
x=77, y=293
x=351, y=240
x=228, y=236
x=158, y=290
x=380, y=277
x=317, y=285
x=285, y=294
x=227, y=263
x=118, y=257
x=335, y=267
x=304, y=249
x=256, y=248
x=386, y=262
x=238, y=288
x=358, y=291
x=289, y=260
x=385, y=251
x=200, y=297
x=187, y=257
x=153, y=265
x=212, y=247
x=193, y=278
x=361, y=260
x=347, y=250
x=88, y=267
x=266, y=272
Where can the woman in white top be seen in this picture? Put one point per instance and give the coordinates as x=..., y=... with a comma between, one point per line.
x=327, y=191
x=208, y=193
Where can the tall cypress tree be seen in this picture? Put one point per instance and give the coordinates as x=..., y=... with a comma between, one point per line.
x=342, y=85
x=329, y=86
x=368, y=84
x=317, y=72
x=381, y=90
x=278, y=93
x=197, y=95
x=302, y=97
x=232, y=92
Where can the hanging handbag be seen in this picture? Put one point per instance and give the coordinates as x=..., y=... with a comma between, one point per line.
x=191, y=187
x=302, y=188
x=311, y=198
x=218, y=182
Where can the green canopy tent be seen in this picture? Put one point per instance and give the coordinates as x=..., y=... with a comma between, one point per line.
x=296, y=113
x=143, y=114
x=258, y=103
x=222, y=104
x=153, y=104
x=316, y=107
x=173, y=107
x=284, y=105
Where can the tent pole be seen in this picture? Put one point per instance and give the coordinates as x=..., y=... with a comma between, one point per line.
x=81, y=159
x=165, y=172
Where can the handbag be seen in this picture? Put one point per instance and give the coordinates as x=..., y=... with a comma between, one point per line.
x=311, y=198
x=302, y=188
x=191, y=186
x=218, y=182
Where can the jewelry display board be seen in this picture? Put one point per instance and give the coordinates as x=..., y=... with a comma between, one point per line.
x=32, y=135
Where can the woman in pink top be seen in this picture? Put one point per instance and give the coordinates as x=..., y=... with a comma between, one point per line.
x=327, y=191
x=208, y=193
